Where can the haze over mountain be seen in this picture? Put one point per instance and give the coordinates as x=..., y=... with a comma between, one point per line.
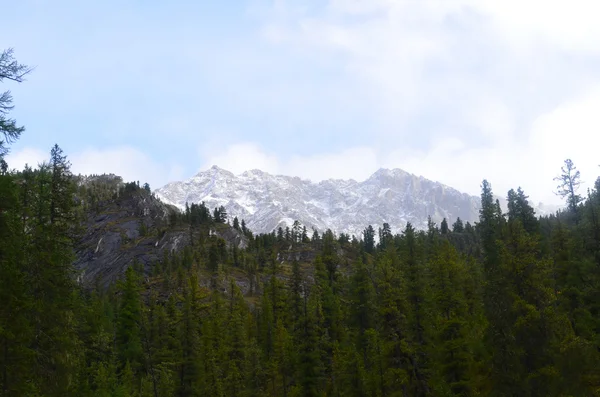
x=267, y=201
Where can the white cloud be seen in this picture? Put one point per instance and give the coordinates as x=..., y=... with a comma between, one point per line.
x=29, y=156
x=353, y=163
x=239, y=157
x=568, y=131
x=127, y=162
x=572, y=130
x=571, y=25
x=357, y=163
x=460, y=90
x=454, y=90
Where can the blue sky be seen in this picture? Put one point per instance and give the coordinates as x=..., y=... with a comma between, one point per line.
x=454, y=90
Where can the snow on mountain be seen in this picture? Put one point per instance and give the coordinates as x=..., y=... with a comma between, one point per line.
x=267, y=201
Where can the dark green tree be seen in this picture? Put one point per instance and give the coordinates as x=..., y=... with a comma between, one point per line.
x=568, y=184
x=444, y=226
x=12, y=70
x=458, y=227
x=369, y=239
x=128, y=337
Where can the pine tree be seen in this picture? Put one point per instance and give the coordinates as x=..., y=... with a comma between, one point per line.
x=189, y=372
x=10, y=69
x=391, y=308
x=128, y=338
x=362, y=306
x=452, y=325
x=385, y=236
x=444, y=226
x=16, y=356
x=413, y=268
x=49, y=253
x=304, y=236
x=310, y=377
x=519, y=208
x=458, y=227
x=569, y=182
x=369, y=239
x=505, y=365
x=236, y=343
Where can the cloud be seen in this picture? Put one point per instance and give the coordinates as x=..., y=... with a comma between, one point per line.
x=572, y=26
x=239, y=157
x=358, y=162
x=454, y=90
x=352, y=163
x=568, y=131
x=459, y=90
x=30, y=156
x=127, y=162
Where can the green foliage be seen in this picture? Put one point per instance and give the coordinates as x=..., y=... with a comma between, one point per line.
x=508, y=306
x=568, y=183
x=11, y=70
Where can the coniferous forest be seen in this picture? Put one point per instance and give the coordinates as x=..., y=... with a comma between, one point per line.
x=507, y=306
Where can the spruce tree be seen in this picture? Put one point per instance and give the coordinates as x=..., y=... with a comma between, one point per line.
x=11, y=70
x=369, y=239
x=568, y=183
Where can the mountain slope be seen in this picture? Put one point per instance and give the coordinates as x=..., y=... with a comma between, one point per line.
x=122, y=224
x=268, y=201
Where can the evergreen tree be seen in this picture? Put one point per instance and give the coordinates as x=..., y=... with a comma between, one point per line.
x=296, y=232
x=452, y=326
x=369, y=239
x=12, y=70
x=412, y=265
x=444, y=226
x=310, y=365
x=315, y=237
x=519, y=208
x=128, y=338
x=385, y=236
x=458, y=227
x=568, y=184
x=16, y=329
x=190, y=371
x=304, y=236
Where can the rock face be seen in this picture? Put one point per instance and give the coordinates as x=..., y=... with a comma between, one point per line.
x=131, y=228
x=267, y=201
x=114, y=236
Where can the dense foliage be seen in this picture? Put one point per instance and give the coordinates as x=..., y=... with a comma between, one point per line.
x=509, y=306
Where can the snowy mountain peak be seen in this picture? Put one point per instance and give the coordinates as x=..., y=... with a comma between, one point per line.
x=267, y=201
x=214, y=170
x=390, y=173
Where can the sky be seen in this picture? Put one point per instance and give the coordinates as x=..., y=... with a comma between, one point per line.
x=454, y=90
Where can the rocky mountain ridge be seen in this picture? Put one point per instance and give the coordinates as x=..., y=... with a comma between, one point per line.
x=267, y=201
x=123, y=226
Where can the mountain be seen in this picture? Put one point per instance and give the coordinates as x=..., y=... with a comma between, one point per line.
x=268, y=201
x=123, y=224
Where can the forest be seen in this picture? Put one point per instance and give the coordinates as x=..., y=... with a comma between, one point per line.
x=507, y=306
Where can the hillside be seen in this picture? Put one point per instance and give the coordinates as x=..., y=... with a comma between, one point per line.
x=162, y=302
x=123, y=224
